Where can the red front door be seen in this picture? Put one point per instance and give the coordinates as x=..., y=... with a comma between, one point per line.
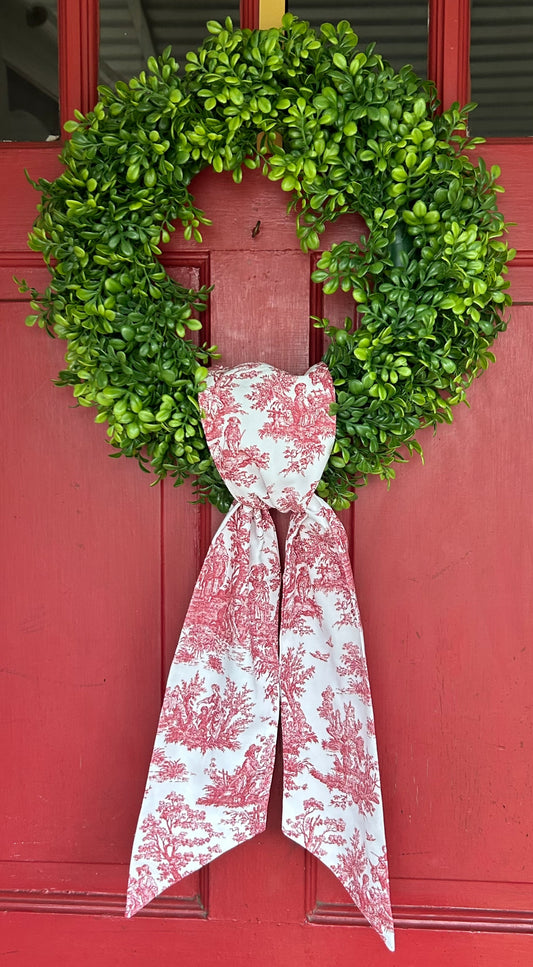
x=98, y=572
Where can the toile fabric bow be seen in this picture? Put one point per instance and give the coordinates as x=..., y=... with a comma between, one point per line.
x=236, y=670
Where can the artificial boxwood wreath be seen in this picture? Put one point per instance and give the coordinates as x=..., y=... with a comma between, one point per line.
x=342, y=132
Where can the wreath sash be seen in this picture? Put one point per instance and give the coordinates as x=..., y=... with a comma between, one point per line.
x=270, y=435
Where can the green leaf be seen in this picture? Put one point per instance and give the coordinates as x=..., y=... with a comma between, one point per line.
x=133, y=173
x=340, y=61
x=289, y=183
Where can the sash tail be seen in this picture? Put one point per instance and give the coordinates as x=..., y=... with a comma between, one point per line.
x=332, y=796
x=211, y=769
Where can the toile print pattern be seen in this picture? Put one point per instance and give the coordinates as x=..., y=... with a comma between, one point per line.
x=240, y=666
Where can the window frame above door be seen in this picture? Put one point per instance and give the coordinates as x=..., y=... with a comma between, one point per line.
x=78, y=41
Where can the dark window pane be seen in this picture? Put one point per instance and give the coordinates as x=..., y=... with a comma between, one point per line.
x=400, y=30
x=28, y=71
x=501, y=64
x=131, y=31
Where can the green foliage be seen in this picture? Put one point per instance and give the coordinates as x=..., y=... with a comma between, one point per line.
x=428, y=279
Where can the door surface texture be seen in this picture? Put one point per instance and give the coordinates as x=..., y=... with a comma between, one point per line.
x=98, y=569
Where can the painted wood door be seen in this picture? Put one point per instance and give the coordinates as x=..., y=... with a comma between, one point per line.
x=98, y=570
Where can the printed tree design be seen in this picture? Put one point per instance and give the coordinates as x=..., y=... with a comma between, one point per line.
x=353, y=666
x=202, y=632
x=271, y=392
x=254, y=619
x=297, y=733
x=366, y=883
x=325, y=552
x=177, y=840
x=354, y=771
x=314, y=830
x=199, y=719
x=351, y=868
x=141, y=889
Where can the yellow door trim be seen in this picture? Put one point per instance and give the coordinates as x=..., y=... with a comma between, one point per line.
x=270, y=13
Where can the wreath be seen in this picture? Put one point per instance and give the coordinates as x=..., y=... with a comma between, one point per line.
x=342, y=132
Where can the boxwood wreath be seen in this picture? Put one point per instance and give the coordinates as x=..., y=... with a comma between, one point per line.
x=342, y=132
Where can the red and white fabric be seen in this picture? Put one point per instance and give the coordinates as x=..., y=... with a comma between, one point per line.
x=237, y=671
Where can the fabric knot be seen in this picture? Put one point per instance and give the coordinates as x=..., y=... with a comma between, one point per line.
x=209, y=781
x=253, y=504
